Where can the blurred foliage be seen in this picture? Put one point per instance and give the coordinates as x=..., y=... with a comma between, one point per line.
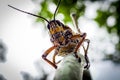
x=78, y=6
x=103, y=16
x=115, y=58
x=66, y=8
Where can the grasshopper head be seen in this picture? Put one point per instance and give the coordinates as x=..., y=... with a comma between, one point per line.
x=55, y=26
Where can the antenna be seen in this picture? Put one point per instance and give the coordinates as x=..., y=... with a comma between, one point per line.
x=57, y=8
x=28, y=13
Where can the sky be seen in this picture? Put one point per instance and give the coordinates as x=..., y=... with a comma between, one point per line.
x=21, y=37
x=26, y=40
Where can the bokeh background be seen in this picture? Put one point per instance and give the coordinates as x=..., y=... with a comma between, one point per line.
x=24, y=38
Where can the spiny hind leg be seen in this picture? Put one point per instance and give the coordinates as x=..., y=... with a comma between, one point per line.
x=74, y=18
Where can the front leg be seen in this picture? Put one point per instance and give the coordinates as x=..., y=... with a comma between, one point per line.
x=54, y=57
x=54, y=61
x=46, y=54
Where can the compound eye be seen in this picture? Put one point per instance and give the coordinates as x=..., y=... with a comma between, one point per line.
x=59, y=23
x=48, y=26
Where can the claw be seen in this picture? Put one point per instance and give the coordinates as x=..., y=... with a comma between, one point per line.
x=87, y=62
x=75, y=53
x=87, y=66
x=58, y=62
x=83, y=34
x=78, y=58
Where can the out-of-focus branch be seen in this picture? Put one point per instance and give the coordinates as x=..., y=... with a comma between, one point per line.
x=87, y=75
x=3, y=50
x=2, y=77
x=70, y=68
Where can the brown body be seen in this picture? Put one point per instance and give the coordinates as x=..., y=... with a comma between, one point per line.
x=64, y=41
x=68, y=44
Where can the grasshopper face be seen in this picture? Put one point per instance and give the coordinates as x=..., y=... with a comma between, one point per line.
x=56, y=29
x=55, y=26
